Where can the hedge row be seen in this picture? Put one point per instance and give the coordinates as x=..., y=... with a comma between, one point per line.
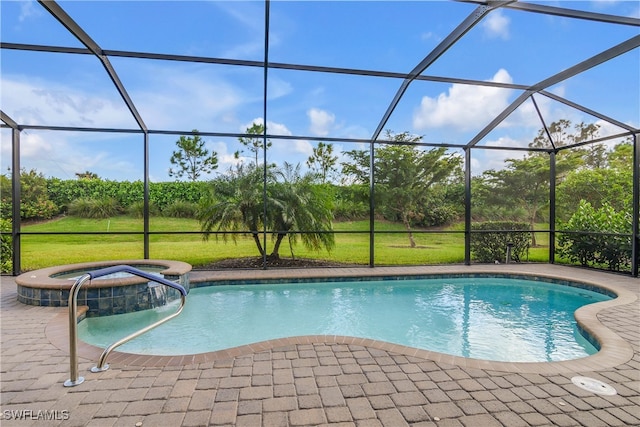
x=125, y=193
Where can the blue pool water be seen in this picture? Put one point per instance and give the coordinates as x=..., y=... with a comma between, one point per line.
x=485, y=318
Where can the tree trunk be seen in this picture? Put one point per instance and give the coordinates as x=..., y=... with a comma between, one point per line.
x=405, y=220
x=276, y=248
x=533, y=237
x=533, y=234
x=256, y=238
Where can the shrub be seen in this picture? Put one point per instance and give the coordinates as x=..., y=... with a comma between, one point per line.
x=345, y=210
x=443, y=204
x=597, y=237
x=5, y=197
x=351, y=202
x=438, y=215
x=39, y=209
x=105, y=207
x=164, y=194
x=6, y=246
x=34, y=198
x=181, y=209
x=6, y=210
x=490, y=244
x=136, y=209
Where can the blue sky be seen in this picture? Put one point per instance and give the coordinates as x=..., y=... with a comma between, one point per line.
x=508, y=46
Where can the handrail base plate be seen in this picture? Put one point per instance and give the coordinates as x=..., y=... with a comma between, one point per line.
x=69, y=383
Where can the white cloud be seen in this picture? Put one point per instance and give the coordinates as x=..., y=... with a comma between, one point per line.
x=277, y=129
x=356, y=131
x=166, y=99
x=28, y=9
x=37, y=102
x=226, y=159
x=34, y=145
x=608, y=129
x=430, y=36
x=426, y=36
x=464, y=107
x=62, y=154
x=321, y=121
x=35, y=150
x=273, y=128
x=483, y=160
x=603, y=4
x=278, y=88
x=290, y=150
x=181, y=98
x=526, y=115
x=559, y=89
x=250, y=17
x=300, y=146
x=176, y=97
x=496, y=25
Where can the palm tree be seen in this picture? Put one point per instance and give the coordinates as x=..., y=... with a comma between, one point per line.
x=293, y=205
x=235, y=205
x=301, y=206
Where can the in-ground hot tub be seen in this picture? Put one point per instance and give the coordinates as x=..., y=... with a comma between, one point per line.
x=123, y=293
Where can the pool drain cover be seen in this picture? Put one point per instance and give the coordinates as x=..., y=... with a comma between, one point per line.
x=594, y=386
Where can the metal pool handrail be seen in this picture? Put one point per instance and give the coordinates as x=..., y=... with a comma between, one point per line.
x=73, y=315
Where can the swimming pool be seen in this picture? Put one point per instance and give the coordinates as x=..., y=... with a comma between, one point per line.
x=499, y=319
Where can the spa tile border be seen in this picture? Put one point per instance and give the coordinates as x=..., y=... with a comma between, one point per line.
x=102, y=297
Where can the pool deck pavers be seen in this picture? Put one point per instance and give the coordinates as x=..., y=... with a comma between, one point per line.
x=321, y=380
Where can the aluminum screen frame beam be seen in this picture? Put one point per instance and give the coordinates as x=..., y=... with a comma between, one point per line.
x=9, y=121
x=544, y=123
x=258, y=64
x=567, y=13
x=465, y=26
x=619, y=49
x=16, y=201
x=588, y=111
x=54, y=9
x=16, y=191
x=265, y=76
x=575, y=14
x=635, y=214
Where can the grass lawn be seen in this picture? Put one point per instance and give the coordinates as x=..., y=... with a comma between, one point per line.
x=391, y=245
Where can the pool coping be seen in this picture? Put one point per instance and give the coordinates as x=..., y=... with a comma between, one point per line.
x=614, y=350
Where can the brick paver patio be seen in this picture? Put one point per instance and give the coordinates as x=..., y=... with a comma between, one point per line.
x=320, y=380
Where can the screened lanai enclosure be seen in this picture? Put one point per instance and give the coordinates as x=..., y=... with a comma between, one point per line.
x=260, y=134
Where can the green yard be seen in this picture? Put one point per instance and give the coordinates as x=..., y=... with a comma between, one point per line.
x=352, y=243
